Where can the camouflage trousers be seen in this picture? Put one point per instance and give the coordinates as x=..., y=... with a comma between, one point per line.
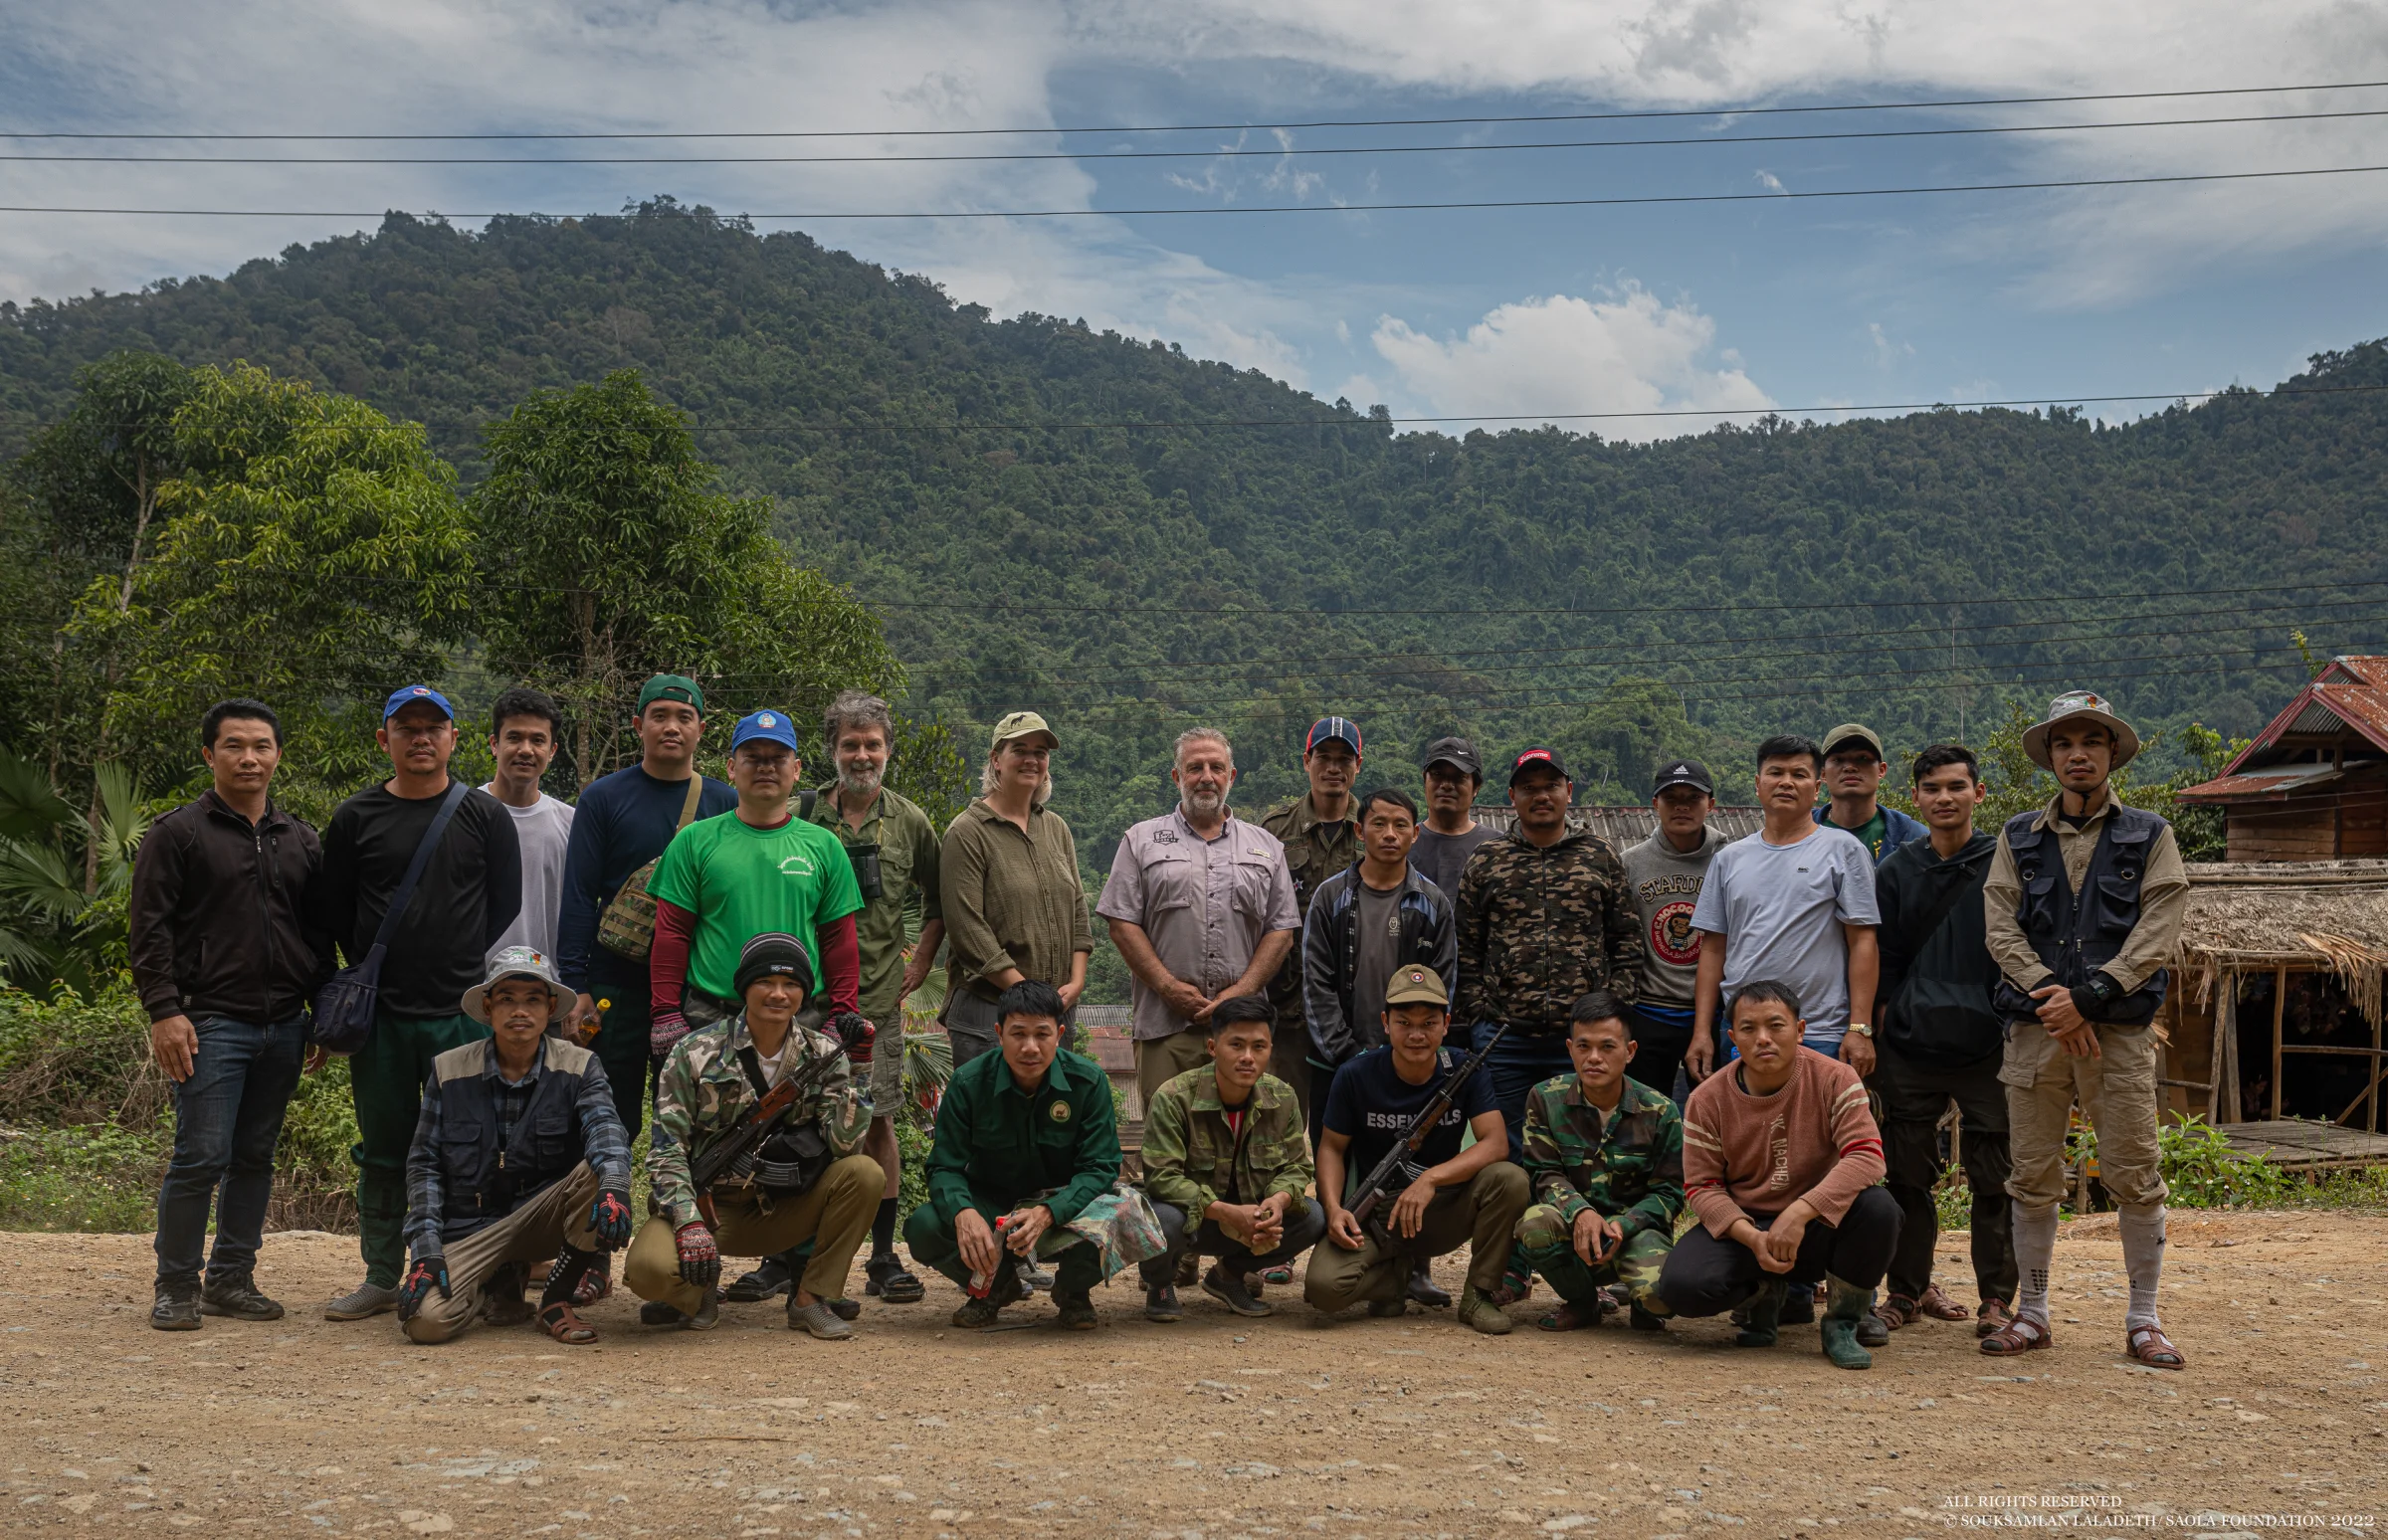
x=1545, y=1239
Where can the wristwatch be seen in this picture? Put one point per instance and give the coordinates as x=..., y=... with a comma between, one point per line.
x=1862, y=1028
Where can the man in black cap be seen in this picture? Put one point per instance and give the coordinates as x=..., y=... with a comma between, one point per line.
x=1667, y=871
x=1321, y=836
x=1454, y=775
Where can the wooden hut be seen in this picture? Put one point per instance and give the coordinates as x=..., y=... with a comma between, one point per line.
x=2313, y=784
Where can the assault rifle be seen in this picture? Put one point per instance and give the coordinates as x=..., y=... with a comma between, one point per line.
x=1369, y=1196
x=735, y=1148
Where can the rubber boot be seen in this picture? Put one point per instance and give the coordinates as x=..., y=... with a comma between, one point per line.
x=1846, y=1305
x=1764, y=1307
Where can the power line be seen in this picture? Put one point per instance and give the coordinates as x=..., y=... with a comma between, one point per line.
x=1469, y=205
x=1277, y=152
x=1361, y=123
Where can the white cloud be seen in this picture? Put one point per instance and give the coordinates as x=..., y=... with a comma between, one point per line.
x=1625, y=352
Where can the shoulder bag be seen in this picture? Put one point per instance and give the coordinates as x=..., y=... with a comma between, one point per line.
x=345, y=1006
x=627, y=927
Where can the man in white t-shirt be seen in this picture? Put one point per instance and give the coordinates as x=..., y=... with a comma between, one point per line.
x=526, y=729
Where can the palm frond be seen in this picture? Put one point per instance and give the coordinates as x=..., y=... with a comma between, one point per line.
x=41, y=879
x=120, y=824
x=28, y=804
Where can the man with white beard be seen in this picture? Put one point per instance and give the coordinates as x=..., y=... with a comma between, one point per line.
x=893, y=849
x=1201, y=908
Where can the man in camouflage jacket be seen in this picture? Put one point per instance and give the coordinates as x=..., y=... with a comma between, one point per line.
x=1605, y=1156
x=706, y=1087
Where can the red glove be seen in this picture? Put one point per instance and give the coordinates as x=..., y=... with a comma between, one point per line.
x=700, y=1256
x=857, y=1033
x=609, y=1216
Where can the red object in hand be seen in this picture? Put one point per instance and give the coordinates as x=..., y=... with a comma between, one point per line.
x=983, y=1283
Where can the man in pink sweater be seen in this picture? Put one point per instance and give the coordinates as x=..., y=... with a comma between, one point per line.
x=1782, y=1166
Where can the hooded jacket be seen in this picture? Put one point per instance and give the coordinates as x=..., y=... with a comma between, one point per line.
x=1937, y=984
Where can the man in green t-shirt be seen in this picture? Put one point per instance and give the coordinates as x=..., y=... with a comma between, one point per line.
x=726, y=879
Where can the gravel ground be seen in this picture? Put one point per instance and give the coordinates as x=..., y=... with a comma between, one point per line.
x=1212, y=1427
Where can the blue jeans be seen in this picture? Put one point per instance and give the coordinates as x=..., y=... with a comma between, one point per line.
x=227, y=1120
x=1516, y=1066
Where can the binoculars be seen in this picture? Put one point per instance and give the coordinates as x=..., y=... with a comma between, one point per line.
x=866, y=871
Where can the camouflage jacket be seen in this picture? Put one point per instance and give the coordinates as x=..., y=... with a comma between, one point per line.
x=1631, y=1169
x=1193, y=1160
x=1315, y=849
x=702, y=1092
x=1540, y=927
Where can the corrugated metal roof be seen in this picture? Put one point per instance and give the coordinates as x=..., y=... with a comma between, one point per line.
x=2261, y=784
x=1629, y=825
x=2351, y=693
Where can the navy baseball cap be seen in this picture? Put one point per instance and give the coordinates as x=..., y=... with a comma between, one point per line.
x=763, y=727
x=408, y=694
x=1334, y=730
x=1529, y=759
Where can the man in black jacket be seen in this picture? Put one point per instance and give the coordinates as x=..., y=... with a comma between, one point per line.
x=1942, y=1043
x=225, y=960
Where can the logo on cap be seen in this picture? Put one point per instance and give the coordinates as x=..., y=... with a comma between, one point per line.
x=1417, y=976
x=1680, y=769
x=766, y=720
x=1534, y=757
x=420, y=689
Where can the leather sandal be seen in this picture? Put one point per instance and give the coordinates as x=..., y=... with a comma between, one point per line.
x=2148, y=1345
x=1896, y=1311
x=1991, y=1315
x=1938, y=1305
x=559, y=1322
x=2019, y=1336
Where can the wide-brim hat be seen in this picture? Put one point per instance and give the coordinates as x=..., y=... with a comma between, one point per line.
x=2080, y=704
x=517, y=962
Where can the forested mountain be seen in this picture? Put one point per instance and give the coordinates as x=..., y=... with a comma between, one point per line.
x=975, y=479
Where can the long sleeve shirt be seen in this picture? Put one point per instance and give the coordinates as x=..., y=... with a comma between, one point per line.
x=1194, y=1156
x=1626, y=1164
x=1011, y=899
x=469, y=892
x=1815, y=1138
x=999, y=1145
x=221, y=918
x=675, y=931
x=703, y=1092
x=1542, y=926
x=621, y=822
x=2164, y=902
x=604, y=1142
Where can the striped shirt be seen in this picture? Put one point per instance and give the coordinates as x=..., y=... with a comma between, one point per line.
x=1814, y=1139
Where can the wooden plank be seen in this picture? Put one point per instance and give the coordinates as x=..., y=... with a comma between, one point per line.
x=2297, y=1145
x=2279, y=1018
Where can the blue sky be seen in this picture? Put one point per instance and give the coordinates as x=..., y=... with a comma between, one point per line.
x=1447, y=313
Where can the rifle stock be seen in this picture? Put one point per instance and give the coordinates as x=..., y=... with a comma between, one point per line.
x=748, y=1131
x=1368, y=1196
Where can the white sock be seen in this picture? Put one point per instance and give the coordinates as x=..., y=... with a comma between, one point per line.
x=2035, y=1253
x=2143, y=1259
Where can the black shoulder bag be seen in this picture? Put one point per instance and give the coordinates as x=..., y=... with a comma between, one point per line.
x=345, y=1006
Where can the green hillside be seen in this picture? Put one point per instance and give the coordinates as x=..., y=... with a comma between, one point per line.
x=1625, y=602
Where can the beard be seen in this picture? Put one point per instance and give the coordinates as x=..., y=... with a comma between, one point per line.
x=1205, y=801
x=861, y=781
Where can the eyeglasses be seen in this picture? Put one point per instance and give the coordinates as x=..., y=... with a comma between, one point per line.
x=418, y=730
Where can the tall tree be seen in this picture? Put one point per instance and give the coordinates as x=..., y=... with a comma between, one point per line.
x=98, y=471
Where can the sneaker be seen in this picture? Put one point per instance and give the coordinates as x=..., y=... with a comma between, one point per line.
x=177, y=1307
x=1160, y=1304
x=885, y=1278
x=367, y=1299
x=1482, y=1314
x=1189, y=1268
x=1228, y=1288
x=1873, y=1331
x=979, y=1314
x=843, y=1308
x=769, y=1280
x=657, y=1314
x=1799, y=1305
x=1038, y=1278
x=1074, y=1312
x=1641, y=1320
x=234, y=1295
x=818, y=1319
x=1387, y=1310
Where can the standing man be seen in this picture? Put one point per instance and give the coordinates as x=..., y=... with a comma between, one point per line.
x=1941, y=1044
x=1853, y=768
x=1454, y=775
x=525, y=730
x=1201, y=908
x=2085, y=901
x=623, y=823
x=1668, y=870
x=1015, y=906
x=469, y=892
x=225, y=953
x=1320, y=837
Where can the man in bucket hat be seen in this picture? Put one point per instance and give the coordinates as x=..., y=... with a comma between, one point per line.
x=518, y=1157
x=2083, y=903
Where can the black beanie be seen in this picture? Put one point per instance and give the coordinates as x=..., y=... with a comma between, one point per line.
x=773, y=952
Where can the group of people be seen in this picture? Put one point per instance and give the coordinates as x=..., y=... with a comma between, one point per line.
x=1766, y=1032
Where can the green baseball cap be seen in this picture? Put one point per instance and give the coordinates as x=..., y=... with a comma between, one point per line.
x=1854, y=732
x=1019, y=726
x=671, y=686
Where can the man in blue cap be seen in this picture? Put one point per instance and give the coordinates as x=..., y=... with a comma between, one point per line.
x=468, y=894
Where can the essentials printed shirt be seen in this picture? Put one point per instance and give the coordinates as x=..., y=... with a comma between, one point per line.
x=1205, y=904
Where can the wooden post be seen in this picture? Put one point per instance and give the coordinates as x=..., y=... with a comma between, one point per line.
x=2279, y=1018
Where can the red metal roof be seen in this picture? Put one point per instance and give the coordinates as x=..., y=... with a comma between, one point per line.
x=2277, y=782
x=2351, y=693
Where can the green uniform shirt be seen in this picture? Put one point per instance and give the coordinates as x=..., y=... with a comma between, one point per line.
x=741, y=881
x=1315, y=849
x=1193, y=1159
x=908, y=862
x=1628, y=1165
x=998, y=1146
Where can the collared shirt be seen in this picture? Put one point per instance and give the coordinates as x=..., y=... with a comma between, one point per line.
x=908, y=862
x=605, y=1143
x=998, y=1145
x=1626, y=1164
x=2163, y=900
x=1010, y=899
x=1315, y=849
x=703, y=1091
x=1204, y=904
x=1197, y=1152
x=509, y=1099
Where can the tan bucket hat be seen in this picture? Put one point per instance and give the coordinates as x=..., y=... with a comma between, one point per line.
x=2080, y=703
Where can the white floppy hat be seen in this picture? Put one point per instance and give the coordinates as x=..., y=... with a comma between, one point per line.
x=2080, y=703
x=516, y=962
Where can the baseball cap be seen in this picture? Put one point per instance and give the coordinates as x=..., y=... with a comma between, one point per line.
x=1528, y=759
x=1334, y=730
x=1857, y=732
x=765, y=727
x=1019, y=726
x=1457, y=753
x=408, y=694
x=1414, y=985
x=1684, y=772
x=672, y=686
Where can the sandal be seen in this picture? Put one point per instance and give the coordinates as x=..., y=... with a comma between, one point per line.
x=2148, y=1345
x=2019, y=1336
x=1896, y=1311
x=559, y=1322
x=1992, y=1316
x=1569, y=1317
x=1938, y=1305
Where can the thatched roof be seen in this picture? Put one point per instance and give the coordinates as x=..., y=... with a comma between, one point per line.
x=2259, y=916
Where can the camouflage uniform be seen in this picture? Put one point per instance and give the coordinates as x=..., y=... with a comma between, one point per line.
x=1628, y=1167
x=1193, y=1160
x=1540, y=927
x=1315, y=849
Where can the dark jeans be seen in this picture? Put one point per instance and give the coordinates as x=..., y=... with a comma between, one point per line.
x=1306, y=1225
x=1659, y=1049
x=622, y=1046
x=1915, y=1094
x=1516, y=1066
x=227, y=1120
x=1707, y=1276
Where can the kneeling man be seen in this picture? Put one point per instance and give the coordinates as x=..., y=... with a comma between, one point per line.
x=801, y=1180
x=1226, y=1162
x=1447, y=1198
x=1026, y=1165
x=1781, y=1165
x=1605, y=1156
x=518, y=1158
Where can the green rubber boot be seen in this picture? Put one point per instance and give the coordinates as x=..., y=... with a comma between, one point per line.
x=1846, y=1308
x=1764, y=1307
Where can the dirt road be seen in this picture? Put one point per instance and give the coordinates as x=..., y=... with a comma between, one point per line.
x=1215, y=1426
